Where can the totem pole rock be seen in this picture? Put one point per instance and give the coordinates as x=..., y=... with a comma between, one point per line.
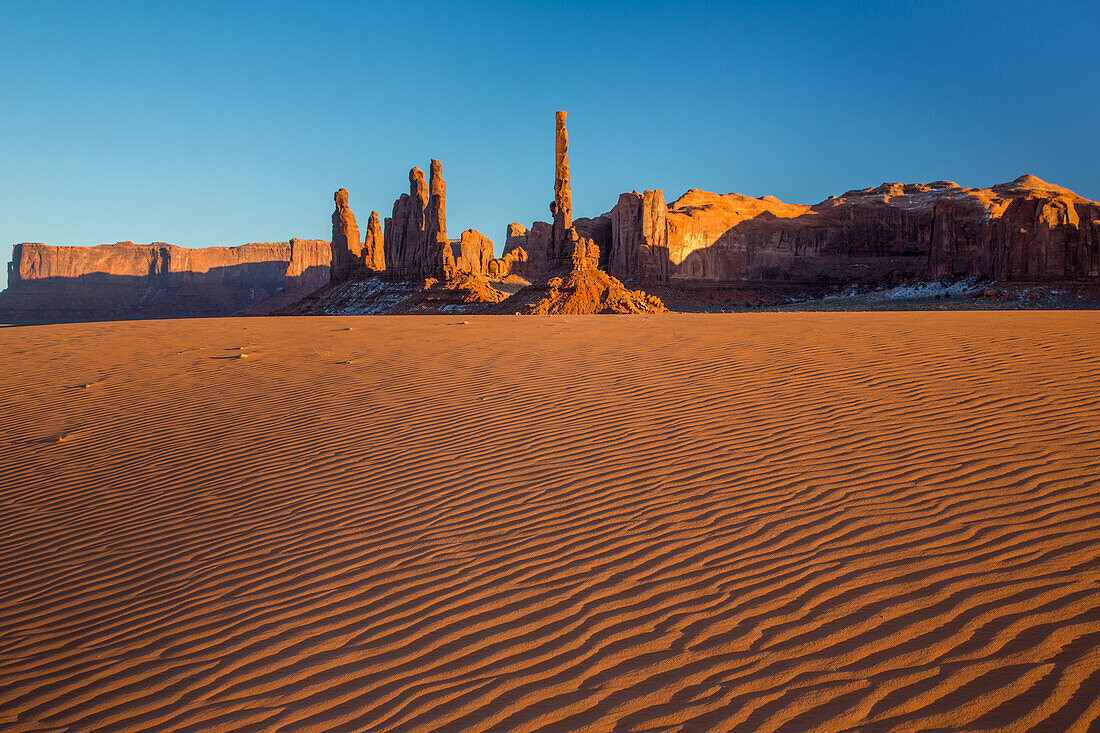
x=374, y=256
x=346, y=248
x=568, y=251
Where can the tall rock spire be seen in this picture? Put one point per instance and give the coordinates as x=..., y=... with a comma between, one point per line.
x=567, y=250
x=346, y=248
x=374, y=256
x=435, y=221
x=439, y=261
x=414, y=228
x=562, y=208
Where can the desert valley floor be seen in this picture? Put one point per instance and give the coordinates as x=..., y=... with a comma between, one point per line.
x=762, y=521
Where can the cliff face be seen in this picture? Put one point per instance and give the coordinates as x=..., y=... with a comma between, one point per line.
x=127, y=280
x=1024, y=230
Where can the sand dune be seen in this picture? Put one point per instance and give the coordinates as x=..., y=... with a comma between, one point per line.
x=766, y=522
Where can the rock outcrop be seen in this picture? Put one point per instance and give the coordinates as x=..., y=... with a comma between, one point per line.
x=347, y=250
x=567, y=250
x=579, y=292
x=475, y=252
x=159, y=280
x=1024, y=230
x=439, y=261
x=462, y=293
x=534, y=242
x=639, y=237
x=415, y=238
x=374, y=255
x=511, y=264
x=572, y=284
x=404, y=231
x=597, y=231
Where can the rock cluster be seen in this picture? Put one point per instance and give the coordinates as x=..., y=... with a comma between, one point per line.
x=580, y=292
x=571, y=282
x=1026, y=231
x=350, y=257
x=415, y=238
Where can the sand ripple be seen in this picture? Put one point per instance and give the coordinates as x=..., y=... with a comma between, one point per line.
x=765, y=522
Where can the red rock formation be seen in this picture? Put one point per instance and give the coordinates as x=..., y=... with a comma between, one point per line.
x=639, y=226
x=435, y=222
x=438, y=260
x=560, y=252
x=1032, y=230
x=1024, y=230
x=415, y=239
x=567, y=250
x=127, y=280
x=394, y=244
x=374, y=256
x=578, y=292
x=416, y=250
x=511, y=263
x=347, y=251
x=534, y=243
x=475, y=253
x=598, y=231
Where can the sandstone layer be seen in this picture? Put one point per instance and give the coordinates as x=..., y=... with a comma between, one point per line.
x=462, y=293
x=127, y=280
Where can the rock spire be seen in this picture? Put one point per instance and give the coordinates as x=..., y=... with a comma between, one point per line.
x=346, y=248
x=374, y=256
x=415, y=238
x=567, y=250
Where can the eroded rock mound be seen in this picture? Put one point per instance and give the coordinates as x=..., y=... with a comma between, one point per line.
x=580, y=292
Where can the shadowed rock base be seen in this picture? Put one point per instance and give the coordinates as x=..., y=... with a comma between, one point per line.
x=462, y=293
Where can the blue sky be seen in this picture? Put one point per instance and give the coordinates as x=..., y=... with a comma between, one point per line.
x=215, y=123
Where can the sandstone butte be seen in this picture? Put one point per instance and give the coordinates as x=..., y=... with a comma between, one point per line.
x=1026, y=231
x=128, y=280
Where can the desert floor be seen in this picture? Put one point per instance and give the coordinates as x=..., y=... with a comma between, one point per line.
x=769, y=521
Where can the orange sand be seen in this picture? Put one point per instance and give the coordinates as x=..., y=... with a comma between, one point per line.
x=775, y=521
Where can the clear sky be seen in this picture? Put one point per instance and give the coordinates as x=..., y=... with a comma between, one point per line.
x=214, y=123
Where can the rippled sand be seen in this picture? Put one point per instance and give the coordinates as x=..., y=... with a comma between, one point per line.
x=772, y=521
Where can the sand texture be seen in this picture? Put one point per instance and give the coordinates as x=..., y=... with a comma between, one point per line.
x=753, y=522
